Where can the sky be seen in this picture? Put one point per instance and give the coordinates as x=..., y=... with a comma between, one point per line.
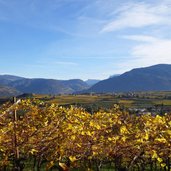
x=85, y=39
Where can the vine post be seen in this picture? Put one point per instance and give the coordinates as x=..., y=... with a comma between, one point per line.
x=15, y=141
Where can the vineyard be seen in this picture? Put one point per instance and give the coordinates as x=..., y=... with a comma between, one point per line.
x=35, y=135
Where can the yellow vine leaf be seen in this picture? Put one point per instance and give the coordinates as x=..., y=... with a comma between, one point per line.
x=123, y=130
x=63, y=166
x=162, y=140
x=49, y=165
x=154, y=156
x=159, y=159
x=163, y=164
x=72, y=158
x=32, y=151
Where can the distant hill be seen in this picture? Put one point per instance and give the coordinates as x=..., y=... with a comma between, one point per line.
x=153, y=78
x=75, y=84
x=42, y=86
x=14, y=85
x=6, y=79
x=91, y=82
x=6, y=91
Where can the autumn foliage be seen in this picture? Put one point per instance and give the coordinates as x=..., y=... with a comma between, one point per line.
x=52, y=136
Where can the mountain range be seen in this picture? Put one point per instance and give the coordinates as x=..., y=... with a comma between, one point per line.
x=21, y=85
x=153, y=78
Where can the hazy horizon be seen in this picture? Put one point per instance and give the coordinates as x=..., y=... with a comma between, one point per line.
x=83, y=39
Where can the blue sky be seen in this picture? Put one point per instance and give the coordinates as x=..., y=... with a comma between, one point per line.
x=66, y=39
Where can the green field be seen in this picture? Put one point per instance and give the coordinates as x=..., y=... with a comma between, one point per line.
x=155, y=101
x=159, y=102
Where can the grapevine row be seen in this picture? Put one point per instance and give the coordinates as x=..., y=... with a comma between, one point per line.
x=48, y=135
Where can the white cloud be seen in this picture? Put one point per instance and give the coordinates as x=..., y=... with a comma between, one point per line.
x=151, y=50
x=140, y=38
x=137, y=15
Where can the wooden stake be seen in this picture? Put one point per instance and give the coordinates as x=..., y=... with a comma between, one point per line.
x=16, y=149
